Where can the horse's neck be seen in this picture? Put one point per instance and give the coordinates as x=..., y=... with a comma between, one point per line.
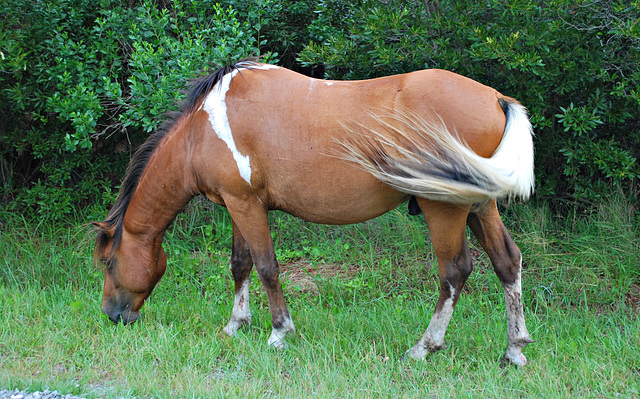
x=164, y=189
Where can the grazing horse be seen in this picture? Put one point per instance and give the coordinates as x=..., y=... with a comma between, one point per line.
x=254, y=137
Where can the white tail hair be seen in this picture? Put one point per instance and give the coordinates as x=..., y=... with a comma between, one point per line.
x=425, y=159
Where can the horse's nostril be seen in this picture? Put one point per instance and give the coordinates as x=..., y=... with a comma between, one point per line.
x=130, y=317
x=113, y=316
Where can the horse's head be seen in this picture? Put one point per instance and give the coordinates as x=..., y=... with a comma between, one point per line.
x=134, y=265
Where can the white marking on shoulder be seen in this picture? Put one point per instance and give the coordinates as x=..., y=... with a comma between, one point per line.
x=327, y=82
x=215, y=105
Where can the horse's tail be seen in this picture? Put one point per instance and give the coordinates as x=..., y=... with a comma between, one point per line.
x=426, y=160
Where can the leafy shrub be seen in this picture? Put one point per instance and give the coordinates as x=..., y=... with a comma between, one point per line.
x=280, y=26
x=82, y=83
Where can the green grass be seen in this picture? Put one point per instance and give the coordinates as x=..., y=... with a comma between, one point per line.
x=581, y=289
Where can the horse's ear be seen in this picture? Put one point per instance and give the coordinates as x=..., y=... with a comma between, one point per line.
x=104, y=227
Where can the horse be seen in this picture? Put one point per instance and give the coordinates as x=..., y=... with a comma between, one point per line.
x=254, y=137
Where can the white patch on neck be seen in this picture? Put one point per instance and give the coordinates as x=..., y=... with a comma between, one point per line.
x=216, y=106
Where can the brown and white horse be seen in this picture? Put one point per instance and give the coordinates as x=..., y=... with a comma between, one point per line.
x=255, y=137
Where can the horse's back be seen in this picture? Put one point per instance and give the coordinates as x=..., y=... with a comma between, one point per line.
x=303, y=104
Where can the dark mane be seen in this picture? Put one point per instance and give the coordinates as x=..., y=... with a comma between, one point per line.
x=111, y=227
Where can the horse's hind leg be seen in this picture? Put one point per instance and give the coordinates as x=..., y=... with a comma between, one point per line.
x=241, y=265
x=506, y=258
x=448, y=234
x=250, y=217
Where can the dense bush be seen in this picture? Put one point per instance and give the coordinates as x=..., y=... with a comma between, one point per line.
x=83, y=82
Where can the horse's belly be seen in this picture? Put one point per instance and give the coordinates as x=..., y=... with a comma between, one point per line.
x=343, y=202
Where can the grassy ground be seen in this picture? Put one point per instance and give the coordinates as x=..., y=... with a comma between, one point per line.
x=359, y=295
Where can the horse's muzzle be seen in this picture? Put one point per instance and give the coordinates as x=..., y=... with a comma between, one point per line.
x=118, y=315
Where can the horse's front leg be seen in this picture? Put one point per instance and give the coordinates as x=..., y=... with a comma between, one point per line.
x=506, y=258
x=250, y=217
x=447, y=229
x=241, y=265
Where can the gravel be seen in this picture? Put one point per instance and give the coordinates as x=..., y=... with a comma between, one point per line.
x=47, y=394
x=17, y=394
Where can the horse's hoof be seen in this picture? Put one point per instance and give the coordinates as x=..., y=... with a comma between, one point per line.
x=518, y=360
x=410, y=355
x=277, y=338
x=277, y=342
x=278, y=345
x=231, y=329
x=416, y=353
x=514, y=355
x=420, y=350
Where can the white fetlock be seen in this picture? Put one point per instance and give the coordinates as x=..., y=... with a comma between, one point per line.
x=241, y=313
x=278, y=335
x=517, y=334
x=433, y=338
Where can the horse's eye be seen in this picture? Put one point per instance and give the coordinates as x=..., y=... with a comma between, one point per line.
x=108, y=262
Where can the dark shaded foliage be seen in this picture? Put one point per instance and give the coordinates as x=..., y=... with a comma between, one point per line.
x=82, y=83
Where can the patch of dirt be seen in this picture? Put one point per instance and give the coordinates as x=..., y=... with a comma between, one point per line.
x=59, y=368
x=302, y=275
x=599, y=308
x=633, y=298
